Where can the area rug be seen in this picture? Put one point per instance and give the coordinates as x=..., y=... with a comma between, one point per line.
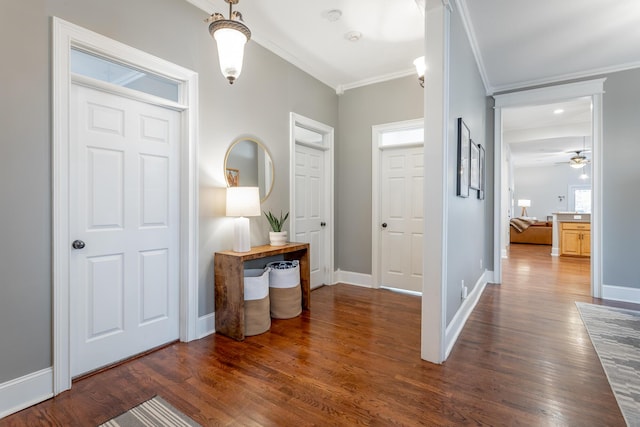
x=615, y=334
x=155, y=412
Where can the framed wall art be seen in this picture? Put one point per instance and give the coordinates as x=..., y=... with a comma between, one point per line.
x=483, y=178
x=464, y=151
x=233, y=177
x=474, y=166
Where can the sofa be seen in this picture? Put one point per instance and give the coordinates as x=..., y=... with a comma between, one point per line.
x=531, y=232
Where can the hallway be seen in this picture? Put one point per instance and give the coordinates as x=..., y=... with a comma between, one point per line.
x=524, y=358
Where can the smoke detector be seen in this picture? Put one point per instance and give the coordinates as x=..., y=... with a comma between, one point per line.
x=333, y=15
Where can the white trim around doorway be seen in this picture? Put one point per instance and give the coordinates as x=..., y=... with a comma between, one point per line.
x=377, y=132
x=326, y=146
x=65, y=36
x=593, y=89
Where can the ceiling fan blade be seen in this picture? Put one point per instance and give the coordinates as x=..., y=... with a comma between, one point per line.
x=586, y=150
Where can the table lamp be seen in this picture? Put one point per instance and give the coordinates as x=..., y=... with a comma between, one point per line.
x=242, y=202
x=524, y=204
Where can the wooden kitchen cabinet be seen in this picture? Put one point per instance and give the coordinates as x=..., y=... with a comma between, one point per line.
x=575, y=238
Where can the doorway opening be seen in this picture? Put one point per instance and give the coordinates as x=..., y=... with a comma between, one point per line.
x=397, y=205
x=548, y=150
x=181, y=83
x=540, y=135
x=311, y=195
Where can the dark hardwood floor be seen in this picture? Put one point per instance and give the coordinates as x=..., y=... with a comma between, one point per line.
x=524, y=358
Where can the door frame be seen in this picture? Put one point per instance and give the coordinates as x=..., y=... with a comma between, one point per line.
x=326, y=146
x=593, y=89
x=376, y=148
x=66, y=35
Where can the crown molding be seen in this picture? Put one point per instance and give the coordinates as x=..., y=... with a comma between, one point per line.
x=206, y=5
x=471, y=35
x=378, y=79
x=565, y=77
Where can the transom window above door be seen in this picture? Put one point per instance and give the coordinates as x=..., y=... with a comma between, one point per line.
x=106, y=70
x=399, y=137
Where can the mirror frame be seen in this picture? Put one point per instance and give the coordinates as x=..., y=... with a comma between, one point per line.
x=267, y=152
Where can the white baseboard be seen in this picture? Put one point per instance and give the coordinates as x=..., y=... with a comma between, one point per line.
x=18, y=394
x=503, y=253
x=465, y=310
x=620, y=293
x=350, y=278
x=206, y=325
x=555, y=251
x=489, y=277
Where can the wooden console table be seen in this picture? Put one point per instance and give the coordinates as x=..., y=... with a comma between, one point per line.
x=229, y=283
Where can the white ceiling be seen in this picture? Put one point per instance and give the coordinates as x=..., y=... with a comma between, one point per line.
x=299, y=31
x=517, y=43
x=524, y=42
x=541, y=135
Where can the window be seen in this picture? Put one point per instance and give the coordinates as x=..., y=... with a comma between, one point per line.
x=580, y=198
x=104, y=69
x=402, y=137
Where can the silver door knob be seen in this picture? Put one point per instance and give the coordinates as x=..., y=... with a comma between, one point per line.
x=78, y=244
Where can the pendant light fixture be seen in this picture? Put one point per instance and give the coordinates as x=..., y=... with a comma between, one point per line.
x=231, y=35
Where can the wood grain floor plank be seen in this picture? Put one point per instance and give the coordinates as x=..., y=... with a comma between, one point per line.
x=524, y=358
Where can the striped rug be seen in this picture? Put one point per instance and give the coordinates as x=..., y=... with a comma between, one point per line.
x=155, y=412
x=615, y=334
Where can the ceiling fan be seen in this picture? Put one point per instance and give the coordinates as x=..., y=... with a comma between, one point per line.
x=579, y=160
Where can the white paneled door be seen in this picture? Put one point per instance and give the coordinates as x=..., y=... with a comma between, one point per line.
x=402, y=218
x=309, y=209
x=124, y=227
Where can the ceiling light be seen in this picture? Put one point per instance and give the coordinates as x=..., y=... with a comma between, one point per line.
x=583, y=176
x=577, y=161
x=333, y=15
x=558, y=111
x=421, y=68
x=231, y=35
x=353, y=36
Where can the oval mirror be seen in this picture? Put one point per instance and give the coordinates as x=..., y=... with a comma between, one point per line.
x=248, y=164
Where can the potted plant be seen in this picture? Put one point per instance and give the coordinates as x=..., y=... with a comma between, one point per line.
x=277, y=237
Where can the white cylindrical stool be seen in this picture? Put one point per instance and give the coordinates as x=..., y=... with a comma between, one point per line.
x=285, y=292
x=257, y=319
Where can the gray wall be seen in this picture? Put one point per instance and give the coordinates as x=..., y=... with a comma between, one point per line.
x=621, y=180
x=360, y=109
x=257, y=104
x=542, y=185
x=25, y=190
x=467, y=240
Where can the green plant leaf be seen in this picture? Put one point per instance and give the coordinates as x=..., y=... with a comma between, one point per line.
x=275, y=222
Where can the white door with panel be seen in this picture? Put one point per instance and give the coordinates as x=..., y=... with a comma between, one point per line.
x=309, y=202
x=124, y=225
x=401, y=212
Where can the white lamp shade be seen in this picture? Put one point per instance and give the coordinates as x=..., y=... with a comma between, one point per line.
x=243, y=201
x=230, y=51
x=524, y=203
x=421, y=66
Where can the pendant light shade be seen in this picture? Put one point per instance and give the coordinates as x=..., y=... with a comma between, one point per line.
x=231, y=35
